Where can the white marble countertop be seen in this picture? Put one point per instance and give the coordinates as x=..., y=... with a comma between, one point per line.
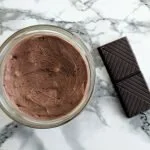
x=103, y=124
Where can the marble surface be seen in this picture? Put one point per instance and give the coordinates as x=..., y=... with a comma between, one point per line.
x=102, y=124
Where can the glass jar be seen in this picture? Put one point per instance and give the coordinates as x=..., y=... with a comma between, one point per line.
x=7, y=106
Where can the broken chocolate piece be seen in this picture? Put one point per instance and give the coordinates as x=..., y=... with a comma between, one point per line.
x=126, y=76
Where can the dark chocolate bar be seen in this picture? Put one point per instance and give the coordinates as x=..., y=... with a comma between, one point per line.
x=126, y=76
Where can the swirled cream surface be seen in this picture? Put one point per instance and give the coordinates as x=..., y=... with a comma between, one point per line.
x=45, y=77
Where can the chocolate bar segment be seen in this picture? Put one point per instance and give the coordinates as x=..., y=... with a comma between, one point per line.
x=134, y=94
x=126, y=76
x=119, y=59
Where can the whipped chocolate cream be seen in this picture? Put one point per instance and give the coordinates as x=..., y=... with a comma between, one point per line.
x=45, y=77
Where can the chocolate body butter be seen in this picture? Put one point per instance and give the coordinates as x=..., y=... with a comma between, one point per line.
x=45, y=77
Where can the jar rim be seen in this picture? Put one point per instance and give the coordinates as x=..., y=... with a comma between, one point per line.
x=74, y=41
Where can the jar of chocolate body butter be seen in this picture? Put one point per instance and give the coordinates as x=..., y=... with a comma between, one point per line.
x=47, y=76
